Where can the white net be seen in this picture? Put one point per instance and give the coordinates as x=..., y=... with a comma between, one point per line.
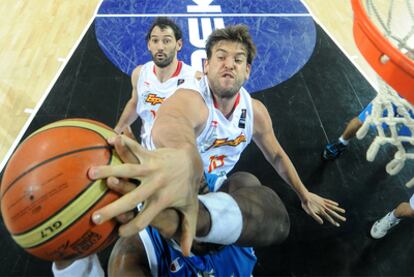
x=392, y=116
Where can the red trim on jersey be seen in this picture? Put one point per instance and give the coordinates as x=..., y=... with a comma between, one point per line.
x=234, y=107
x=176, y=72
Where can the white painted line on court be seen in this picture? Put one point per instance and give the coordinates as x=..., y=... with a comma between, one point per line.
x=29, y=111
x=208, y=15
x=46, y=93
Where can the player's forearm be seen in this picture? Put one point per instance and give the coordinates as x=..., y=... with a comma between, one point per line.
x=288, y=173
x=174, y=131
x=128, y=116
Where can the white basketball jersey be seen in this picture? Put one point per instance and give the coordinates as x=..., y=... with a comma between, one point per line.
x=223, y=139
x=151, y=94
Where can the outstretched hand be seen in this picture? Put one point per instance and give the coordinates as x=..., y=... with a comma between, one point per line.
x=168, y=180
x=167, y=222
x=320, y=208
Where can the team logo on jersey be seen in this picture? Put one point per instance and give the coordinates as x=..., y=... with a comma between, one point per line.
x=226, y=142
x=180, y=81
x=242, y=121
x=216, y=162
x=153, y=99
x=175, y=266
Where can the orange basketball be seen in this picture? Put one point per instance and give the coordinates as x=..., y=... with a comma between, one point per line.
x=47, y=198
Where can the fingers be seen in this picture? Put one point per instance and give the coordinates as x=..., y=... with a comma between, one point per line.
x=119, y=185
x=188, y=228
x=128, y=132
x=128, y=149
x=336, y=215
x=316, y=217
x=124, y=204
x=325, y=214
x=330, y=202
x=133, y=171
x=336, y=208
x=125, y=217
x=142, y=220
x=333, y=209
x=125, y=152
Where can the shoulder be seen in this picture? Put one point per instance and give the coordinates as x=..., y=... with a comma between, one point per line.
x=188, y=98
x=135, y=73
x=198, y=75
x=260, y=113
x=258, y=106
x=187, y=102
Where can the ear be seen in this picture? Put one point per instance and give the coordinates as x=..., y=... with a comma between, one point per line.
x=205, y=66
x=148, y=45
x=179, y=44
x=248, y=69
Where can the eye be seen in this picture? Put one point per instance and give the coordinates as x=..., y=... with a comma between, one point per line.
x=239, y=60
x=166, y=41
x=154, y=40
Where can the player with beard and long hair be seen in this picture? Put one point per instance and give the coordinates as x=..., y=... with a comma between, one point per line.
x=155, y=80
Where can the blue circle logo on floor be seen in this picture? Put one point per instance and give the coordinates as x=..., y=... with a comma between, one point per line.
x=283, y=31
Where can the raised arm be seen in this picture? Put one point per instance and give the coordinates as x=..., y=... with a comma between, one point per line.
x=169, y=176
x=317, y=207
x=180, y=118
x=129, y=114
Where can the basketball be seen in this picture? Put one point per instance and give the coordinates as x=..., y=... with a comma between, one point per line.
x=47, y=198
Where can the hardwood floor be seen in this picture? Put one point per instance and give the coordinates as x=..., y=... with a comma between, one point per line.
x=36, y=38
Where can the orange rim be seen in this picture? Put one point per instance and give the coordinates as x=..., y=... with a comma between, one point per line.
x=398, y=72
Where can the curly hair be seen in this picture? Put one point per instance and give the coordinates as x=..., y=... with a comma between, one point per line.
x=235, y=33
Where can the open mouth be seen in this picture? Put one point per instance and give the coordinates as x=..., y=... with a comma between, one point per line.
x=228, y=75
x=160, y=56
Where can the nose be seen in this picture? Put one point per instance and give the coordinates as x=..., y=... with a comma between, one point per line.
x=160, y=46
x=229, y=63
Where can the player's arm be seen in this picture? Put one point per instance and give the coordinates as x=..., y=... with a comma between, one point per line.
x=178, y=123
x=169, y=175
x=129, y=114
x=265, y=139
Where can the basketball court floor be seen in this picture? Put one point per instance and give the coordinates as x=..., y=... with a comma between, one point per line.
x=308, y=73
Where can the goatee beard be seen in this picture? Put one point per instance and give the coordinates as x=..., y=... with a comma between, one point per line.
x=166, y=62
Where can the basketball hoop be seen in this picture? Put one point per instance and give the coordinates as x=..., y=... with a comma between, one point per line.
x=387, y=43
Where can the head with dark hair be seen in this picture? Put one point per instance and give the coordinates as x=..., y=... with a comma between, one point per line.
x=163, y=23
x=234, y=33
x=230, y=53
x=164, y=40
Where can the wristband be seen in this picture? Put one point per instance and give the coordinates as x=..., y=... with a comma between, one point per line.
x=226, y=218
